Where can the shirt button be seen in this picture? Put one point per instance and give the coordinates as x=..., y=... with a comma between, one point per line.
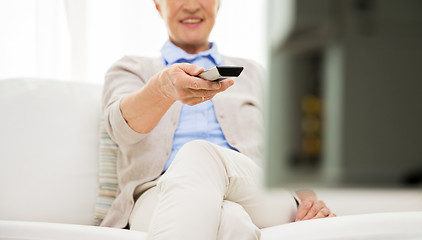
x=204, y=134
x=202, y=114
x=221, y=116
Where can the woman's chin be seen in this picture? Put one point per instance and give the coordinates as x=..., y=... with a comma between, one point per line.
x=195, y=40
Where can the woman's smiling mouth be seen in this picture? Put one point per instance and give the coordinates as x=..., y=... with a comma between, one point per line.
x=191, y=20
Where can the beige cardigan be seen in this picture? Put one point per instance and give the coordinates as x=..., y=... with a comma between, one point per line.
x=141, y=157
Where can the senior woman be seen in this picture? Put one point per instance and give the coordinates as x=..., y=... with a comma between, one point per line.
x=189, y=149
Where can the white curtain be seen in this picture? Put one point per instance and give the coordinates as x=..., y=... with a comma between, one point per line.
x=34, y=40
x=80, y=39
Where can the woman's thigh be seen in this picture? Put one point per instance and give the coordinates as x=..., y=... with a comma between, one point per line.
x=235, y=223
x=143, y=210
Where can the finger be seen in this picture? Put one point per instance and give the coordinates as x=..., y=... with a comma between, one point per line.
x=211, y=93
x=190, y=69
x=316, y=207
x=202, y=93
x=217, y=86
x=332, y=215
x=199, y=83
x=193, y=82
x=304, y=207
x=226, y=83
x=194, y=101
x=324, y=212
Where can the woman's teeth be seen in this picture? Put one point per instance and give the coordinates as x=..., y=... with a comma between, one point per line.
x=191, y=21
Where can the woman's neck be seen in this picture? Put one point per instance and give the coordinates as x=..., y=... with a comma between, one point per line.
x=191, y=48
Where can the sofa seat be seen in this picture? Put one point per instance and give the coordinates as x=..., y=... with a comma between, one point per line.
x=398, y=225
x=25, y=230
x=374, y=226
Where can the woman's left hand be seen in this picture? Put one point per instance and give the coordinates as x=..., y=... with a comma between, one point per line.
x=310, y=207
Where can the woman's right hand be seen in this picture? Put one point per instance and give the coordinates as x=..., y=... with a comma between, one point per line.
x=143, y=109
x=179, y=83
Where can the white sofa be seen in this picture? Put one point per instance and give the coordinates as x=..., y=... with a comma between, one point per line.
x=48, y=175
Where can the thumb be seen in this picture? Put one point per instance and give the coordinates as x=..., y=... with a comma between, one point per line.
x=190, y=69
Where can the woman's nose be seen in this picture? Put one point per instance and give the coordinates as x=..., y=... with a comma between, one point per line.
x=191, y=5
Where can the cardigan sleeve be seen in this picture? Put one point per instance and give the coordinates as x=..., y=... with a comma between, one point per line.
x=121, y=79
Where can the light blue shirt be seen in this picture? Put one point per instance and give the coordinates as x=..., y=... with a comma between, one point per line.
x=199, y=121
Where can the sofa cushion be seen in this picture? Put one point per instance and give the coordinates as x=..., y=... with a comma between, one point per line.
x=49, y=147
x=107, y=175
x=375, y=226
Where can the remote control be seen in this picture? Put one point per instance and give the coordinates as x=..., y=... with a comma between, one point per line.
x=221, y=72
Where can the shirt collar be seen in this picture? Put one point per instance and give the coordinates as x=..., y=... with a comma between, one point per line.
x=172, y=54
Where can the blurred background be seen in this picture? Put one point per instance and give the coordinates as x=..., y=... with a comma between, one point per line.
x=344, y=97
x=80, y=39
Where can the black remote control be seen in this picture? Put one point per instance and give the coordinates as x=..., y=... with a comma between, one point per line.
x=221, y=72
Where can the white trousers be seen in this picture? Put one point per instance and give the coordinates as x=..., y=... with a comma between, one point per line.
x=210, y=192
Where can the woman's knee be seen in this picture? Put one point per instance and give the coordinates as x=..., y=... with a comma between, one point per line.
x=196, y=152
x=196, y=163
x=195, y=146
